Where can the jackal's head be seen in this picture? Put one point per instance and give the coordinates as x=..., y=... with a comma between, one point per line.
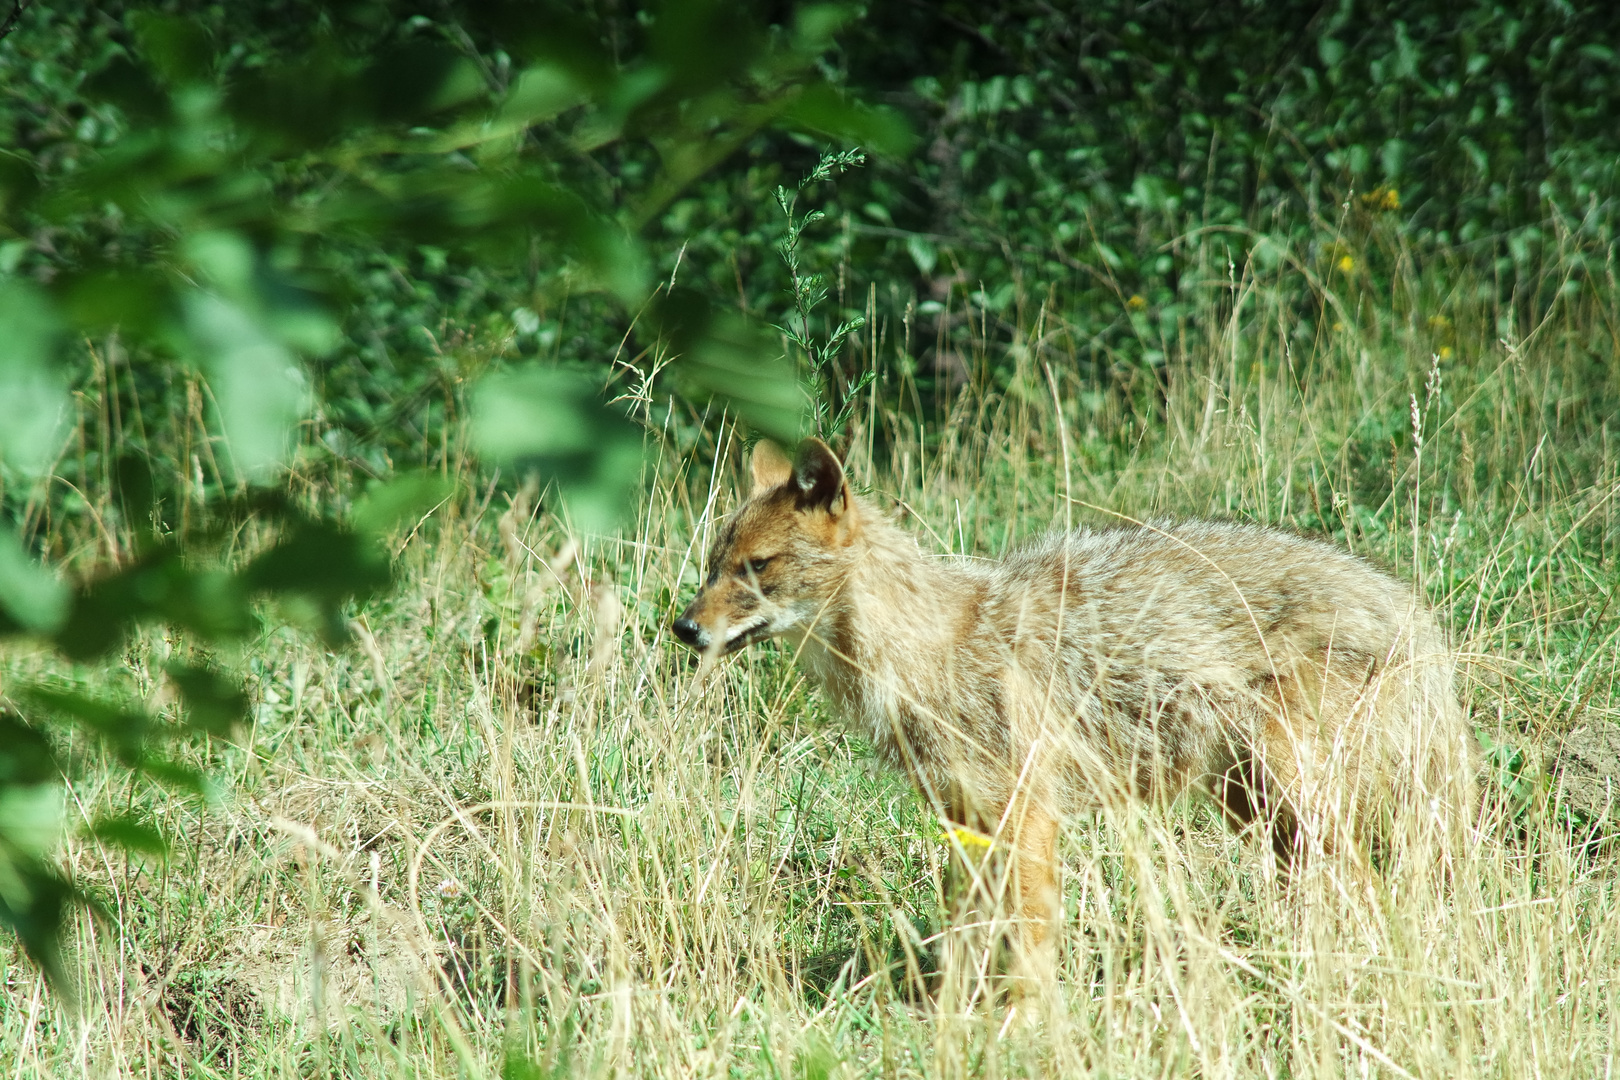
x=777, y=563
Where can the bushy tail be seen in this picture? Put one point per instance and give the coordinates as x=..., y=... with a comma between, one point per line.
x=1433, y=784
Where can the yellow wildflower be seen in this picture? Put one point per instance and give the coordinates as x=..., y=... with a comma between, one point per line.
x=968, y=838
x=1382, y=198
x=1445, y=352
x=1136, y=303
x=1346, y=263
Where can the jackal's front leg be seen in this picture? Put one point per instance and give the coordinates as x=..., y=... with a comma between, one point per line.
x=1003, y=866
x=1035, y=901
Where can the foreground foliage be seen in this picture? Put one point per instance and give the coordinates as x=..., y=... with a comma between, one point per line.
x=183, y=243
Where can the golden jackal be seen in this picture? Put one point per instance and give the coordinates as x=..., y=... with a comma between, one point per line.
x=1309, y=694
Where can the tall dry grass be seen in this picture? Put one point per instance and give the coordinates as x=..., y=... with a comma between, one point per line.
x=514, y=834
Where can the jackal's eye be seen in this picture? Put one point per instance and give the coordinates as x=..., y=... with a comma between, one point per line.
x=757, y=566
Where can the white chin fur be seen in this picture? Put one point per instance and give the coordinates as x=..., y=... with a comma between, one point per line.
x=743, y=628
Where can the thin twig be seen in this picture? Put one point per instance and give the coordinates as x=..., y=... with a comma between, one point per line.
x=11, y=20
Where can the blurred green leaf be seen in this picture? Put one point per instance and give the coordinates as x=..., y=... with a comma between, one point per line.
x=26, y=757
x=815, y=24
x=214, y=703
x=34, y=903
x=129, y=86
x=175, y=775
x=322, y=563
x=696, y=44
x=923, y=253
x=136, y=491
x=258, y=384
x=29, y=593
x=124, y=730
x=816, y=1061
x=158, y=587
x=177, y=47
x=138, y=302
x=738, y=365
x=398, y=502
x=131, y=733
x=822, y=109
x=130, y=833
x=519, y=1066
x=302, y=102
x=540, y=93
x=320, y=559
x=33, y=896
x=412, y=80
x=552, y=420
x=721, y=357
x=33, y=391
x=30, y=820
x=224, y=260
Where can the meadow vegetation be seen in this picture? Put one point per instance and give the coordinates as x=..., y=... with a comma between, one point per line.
x=512, y=832
x=374, y=751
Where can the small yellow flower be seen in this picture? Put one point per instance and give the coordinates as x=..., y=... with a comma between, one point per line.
x=1445, y=352
x=1338, y=328
x=1382, y=198
x=1136, y=302
x=1346, y=263
x=968, y=838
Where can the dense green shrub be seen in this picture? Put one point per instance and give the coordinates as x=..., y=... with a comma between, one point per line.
x=1109, y=155
x=1111, y=149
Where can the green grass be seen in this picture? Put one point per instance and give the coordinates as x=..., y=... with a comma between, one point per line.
x=511, y=833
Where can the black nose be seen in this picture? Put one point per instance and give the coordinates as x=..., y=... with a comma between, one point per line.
x=688, y=631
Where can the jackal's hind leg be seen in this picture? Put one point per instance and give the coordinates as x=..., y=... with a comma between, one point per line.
x=1250, y=800
x=1301, y=784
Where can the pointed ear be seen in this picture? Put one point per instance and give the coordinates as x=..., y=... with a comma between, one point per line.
x=771, y=467
x=820, y=479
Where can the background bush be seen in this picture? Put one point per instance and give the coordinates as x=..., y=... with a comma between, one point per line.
x=1098, y=152
x=1108, y=158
